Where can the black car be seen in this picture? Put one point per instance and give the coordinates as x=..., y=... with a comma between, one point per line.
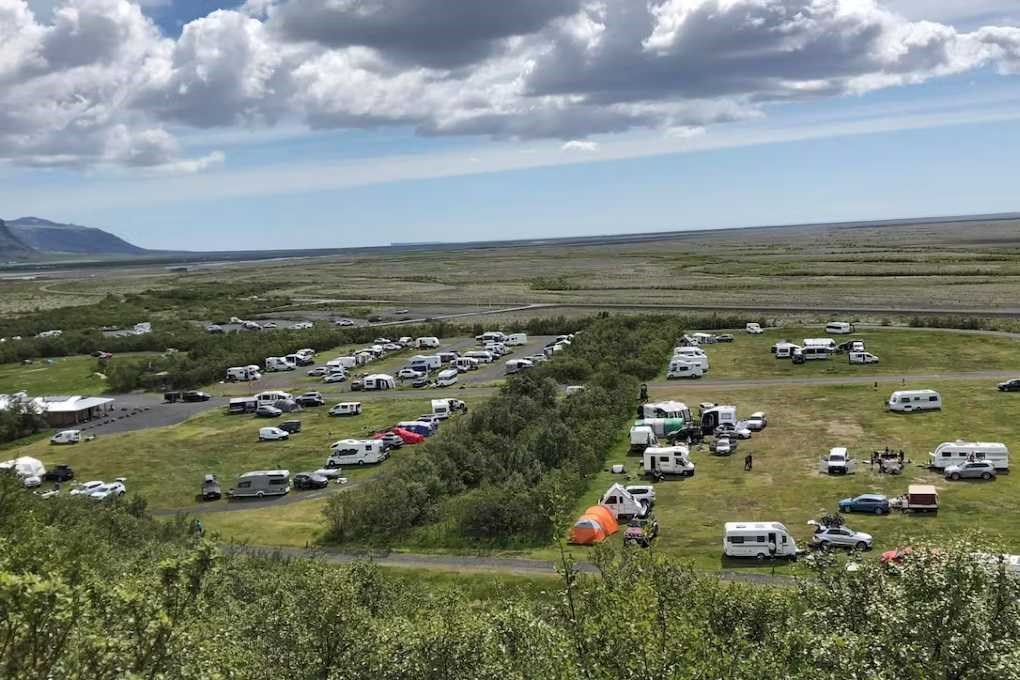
x=291, y=426
x=171, y=397
x=211, y=488
x=1010, y=385
x=311, y=399
x=195, y=395
x=266, y=411
x=59, y=473
x=421, y=382
x=310, y=480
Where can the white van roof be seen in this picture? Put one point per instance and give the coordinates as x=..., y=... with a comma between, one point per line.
x=901, y=393
x=754, y=526
x=972, y=445
x=265, y=473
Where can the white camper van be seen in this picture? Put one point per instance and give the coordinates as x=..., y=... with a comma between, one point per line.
x=862, y=358
x=692, y=355
x=954, y=453
x=465, y=364
x=517, y=339
x=426, y=363
x=342, y=362
x=66, y=437
x=681, y=367
x=839, y=327
x=784, y=350
x=243, y=373
x=484, y=356
x=426, y=342
x=447, y=378
x=753, y=328
x=812, y=352
x=641, y=437
x=356, y=452
x=827, y=343
x=669, y=460
x=261, y=483
x=272, y=396
x=664, y=409
x=346, y=408
x=759, y=540
x=622, y=503
x=517, y=365
x=906, y=401
x=278, y=364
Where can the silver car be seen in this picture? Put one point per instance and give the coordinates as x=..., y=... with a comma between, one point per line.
x=841, y=537
x=978, y=469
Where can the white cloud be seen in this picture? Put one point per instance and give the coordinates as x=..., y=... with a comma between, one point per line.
x=94, y=81
x=580, y=145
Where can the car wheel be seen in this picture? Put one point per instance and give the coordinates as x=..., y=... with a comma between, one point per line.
x=861, y=545
x=879, y=511
x=259, y=494
x=760, y=557
x=955, y=476
x=986, y=476
x=825, y=545
x=361, y=462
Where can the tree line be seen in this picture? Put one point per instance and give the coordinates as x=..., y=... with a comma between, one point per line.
x=100, y=591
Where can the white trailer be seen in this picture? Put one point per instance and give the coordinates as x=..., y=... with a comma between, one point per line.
x=378, y=381
x=425, y=362
x=464, y=364
x=667, y=460
x=713, y=417
x=622, y=503
x=261, y=483
x=759, y=540
x=517, y=339
x=953, y=453
x=839, y=327
x=243, y=373
x=517, y=365
x=490, y=336
x=753, y=328
x=447, y=378
x=356, y=452
x=274, y=364
x=427, y=342
x=827, y=343
x=862, y=358
x=272, y=396
x=641, y=437
x=686, y=367
x=481, y=355
x=784, y=350
x=908, y=401
x=342, y=362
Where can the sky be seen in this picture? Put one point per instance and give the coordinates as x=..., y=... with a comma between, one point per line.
x=206, y=125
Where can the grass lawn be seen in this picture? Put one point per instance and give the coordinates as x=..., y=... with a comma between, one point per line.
x=900, y=351
x=166, y=464
x=62, y=375
x=785, y=485
x=296, y=525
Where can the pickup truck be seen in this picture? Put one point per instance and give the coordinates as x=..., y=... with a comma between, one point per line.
x=837, y=462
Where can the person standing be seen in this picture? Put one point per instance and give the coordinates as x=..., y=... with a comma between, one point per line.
x=748, y=463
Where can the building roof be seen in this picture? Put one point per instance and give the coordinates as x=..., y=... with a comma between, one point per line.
x=73, y=404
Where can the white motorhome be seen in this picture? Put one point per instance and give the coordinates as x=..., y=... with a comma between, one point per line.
x=272, y=396
x=784, y=350
x=692, y=355
x=441, y=408
x=667, y=460
x=760, y=540
x=243, y=373
x=464, y=364
x=426, y=342
x=423, y=362
x=906, y=401
x=641, y=437
x=342, y=362
x=261, y=483
x=346, y=408
x=753, y=328
x=490, y=336
x=278, y=364
x=447, y=378
x=664, y=409
x=813, y=352
x=378, y=381
x=862, y=358
x=703, y=338
x=517, y=365
x=356, y=452
x=481, y=355
x=686, y=367
x=622, y=503
x=66, y=437
x=839, y=327
x=827, y=343
x=953, y=453
x=517, y=339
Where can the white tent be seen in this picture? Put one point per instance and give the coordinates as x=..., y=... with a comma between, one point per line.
x=25, y=466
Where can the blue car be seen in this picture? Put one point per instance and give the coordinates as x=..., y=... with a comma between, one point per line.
x=873, y=503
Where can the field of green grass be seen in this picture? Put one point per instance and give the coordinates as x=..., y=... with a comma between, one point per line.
x=166, y=465
x=901, y=351
x=785, y=485
x=63, y=375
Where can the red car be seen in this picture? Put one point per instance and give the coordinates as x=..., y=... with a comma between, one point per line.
x=408, y=436
x=896, y=556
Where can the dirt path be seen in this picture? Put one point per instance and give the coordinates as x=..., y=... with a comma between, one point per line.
x=472, y=563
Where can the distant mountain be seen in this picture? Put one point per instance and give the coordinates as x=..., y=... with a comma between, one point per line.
x=48, y=237
x=11, y=247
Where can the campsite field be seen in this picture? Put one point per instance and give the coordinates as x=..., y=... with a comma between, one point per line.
x=166, y=465
x=785, y=485
x=62, y=375
x=901, y=351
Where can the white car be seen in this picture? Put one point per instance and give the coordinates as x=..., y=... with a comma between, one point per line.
x=330, y=473
x=841, y=537
x=723, y=446
x=109, y=491
x=756, y=422
x=392, y=347
x=644, y=493
x=739, y=431
x=269, y=434
x=335, y=378
x=86, y=488
x=269, y=324
x=317, y=372
x=343, y=322
x=409, y=374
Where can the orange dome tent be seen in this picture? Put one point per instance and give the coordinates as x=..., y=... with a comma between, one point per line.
x=594, y=526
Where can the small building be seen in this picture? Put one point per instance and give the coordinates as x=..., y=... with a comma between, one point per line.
x=67, y=411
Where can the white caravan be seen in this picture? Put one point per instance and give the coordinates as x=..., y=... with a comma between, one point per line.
x=622, y=503
x=464, y=364
x=839, y=327
x=441, y=408
x=272, y=396
x=517, y=339
x=692, y=355
x=518, y=365
x=356, y=452
x=490, y=336
x=862, y=358
x=907, y=401
x=811, y=353
x=243, y=373
x=682, y=368
x=447, y=378
x=713, y=417
x=342, y=362
x=953, y=453
x=667, y=460
x=481, y=355
x=784, y=350
x=261, y=483
x=278, y=364
x=66, y=437
x=664, y=409
x=760, y=540
x=753, y=328
x=827, y=343
x=641, y=437
x=426, y=342
x=378, y=381
x=425, y=363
